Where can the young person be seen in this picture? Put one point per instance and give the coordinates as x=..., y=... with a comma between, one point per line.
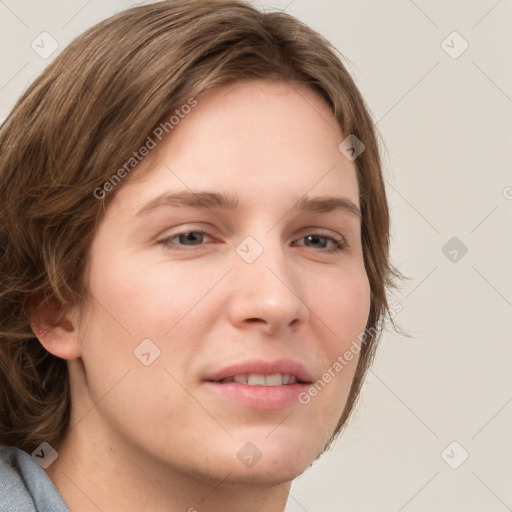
x=194, y=235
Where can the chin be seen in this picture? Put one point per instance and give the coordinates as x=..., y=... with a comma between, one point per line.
x=269, y=473
x=263, y=459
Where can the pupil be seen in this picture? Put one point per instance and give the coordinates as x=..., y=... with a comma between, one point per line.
x=190, y=237
x=316, y=238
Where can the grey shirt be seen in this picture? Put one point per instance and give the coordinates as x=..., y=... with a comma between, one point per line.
x=24, y=486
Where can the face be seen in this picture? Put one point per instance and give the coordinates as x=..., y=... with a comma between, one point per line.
x=235, y=253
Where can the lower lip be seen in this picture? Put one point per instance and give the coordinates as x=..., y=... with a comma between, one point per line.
x=260, y=397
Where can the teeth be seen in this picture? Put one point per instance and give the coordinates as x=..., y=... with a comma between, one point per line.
x=274, y=380
x=255, y=379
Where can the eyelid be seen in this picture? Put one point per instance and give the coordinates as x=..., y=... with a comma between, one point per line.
x=328, y=233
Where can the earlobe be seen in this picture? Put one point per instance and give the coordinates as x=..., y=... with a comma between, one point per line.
x=55, y=328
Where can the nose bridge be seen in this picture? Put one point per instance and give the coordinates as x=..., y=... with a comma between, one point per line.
x=264, y=260
x=267, y=288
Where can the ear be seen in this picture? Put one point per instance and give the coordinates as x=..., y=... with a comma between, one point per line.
x=55, y=328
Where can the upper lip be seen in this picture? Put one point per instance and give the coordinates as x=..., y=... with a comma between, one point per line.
x=261, y=367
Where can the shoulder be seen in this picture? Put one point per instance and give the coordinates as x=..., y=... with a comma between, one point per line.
x=24, y=486
x=14, y=494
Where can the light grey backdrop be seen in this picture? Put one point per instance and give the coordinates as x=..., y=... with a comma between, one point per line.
x=433, y=429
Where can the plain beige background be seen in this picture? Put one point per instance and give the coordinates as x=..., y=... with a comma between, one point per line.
x=432, y=430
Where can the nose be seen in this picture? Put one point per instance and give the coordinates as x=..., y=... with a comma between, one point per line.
x=265, y=294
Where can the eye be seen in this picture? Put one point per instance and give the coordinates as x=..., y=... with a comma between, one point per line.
x=326, y=243
x=186, y=238
x=321, y=241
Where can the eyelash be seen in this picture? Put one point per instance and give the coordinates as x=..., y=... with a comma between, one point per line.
x=339, y=241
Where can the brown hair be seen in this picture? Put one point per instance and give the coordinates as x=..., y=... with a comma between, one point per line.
x=83, y=118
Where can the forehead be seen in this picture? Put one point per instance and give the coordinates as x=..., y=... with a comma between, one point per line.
x=260, y=137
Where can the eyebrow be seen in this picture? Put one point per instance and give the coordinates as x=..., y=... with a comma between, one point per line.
x=223, y=201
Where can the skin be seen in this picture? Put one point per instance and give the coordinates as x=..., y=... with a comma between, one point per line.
x=154, y=437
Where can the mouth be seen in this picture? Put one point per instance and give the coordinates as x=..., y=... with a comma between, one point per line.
x=255, y=379
x=260, y=384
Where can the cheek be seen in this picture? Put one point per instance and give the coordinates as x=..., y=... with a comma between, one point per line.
x=165, y=302
x=131, y=305
x=343, y=304
x=147, y=297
